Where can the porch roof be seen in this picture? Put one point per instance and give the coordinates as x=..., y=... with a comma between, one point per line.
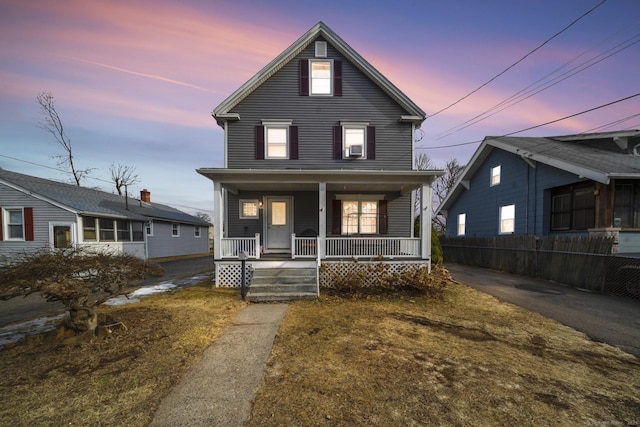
x=236, y=180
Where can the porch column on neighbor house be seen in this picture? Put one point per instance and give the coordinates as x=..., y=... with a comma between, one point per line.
x=425, y=221
x=322, y=219
x=218, y=206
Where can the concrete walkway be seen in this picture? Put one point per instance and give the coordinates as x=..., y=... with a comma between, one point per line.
x=220, y=390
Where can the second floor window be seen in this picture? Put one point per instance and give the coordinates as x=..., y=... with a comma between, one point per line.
x=276, y=140
x=354, y=140
x=495, y=175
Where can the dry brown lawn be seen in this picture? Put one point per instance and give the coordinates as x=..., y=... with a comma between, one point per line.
x=465, y=359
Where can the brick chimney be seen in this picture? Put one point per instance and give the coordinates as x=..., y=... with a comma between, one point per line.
x=145, y=196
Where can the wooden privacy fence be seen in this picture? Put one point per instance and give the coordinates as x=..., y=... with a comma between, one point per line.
x=576, y=261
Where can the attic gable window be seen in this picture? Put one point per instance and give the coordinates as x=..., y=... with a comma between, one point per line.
x=320, y=77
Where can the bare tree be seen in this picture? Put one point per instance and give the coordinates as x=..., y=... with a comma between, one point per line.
x=123, y=175
x=52, y=123
x=203, y=216
x=422, y=162
x=443, y=185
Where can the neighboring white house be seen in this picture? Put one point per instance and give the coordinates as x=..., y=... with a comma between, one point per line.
x=37, y=213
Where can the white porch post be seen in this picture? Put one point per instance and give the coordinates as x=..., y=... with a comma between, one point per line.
x=218, y=207
x=322, y=219
x=425, y=222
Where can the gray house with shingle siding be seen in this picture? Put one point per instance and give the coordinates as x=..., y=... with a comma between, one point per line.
x=578, y=185
x=319, y=161
x=37, y=213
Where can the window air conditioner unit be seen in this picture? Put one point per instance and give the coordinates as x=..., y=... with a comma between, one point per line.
x=355, y=151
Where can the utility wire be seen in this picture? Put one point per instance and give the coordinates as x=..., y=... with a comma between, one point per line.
x=541, y=85
x=518, y=61
x=537, y=126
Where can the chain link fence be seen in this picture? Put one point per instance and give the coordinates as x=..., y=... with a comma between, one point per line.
x=623, y=276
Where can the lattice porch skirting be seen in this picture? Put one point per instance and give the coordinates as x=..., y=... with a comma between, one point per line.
x=332, y=268
x=229, y=274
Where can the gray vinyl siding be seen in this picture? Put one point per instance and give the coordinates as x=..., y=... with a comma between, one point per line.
x=315, y=116
x=163, y=244
x=43, y=214
x=305, y=211
x=529, y=189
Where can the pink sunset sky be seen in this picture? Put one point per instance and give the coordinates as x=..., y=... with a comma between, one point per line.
x=135, y=81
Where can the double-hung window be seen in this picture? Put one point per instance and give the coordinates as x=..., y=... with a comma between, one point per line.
x=507, y=219
x=276, y=139
x=462, y=223
x=15, y=224
x=107, y=232
x=175, y=230
x=321, y=77
x=495, y=175
x=354, y=140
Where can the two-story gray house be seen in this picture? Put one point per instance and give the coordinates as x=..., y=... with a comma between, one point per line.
x=318, y=165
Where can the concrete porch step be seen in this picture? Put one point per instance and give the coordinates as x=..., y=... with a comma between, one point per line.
x=282, y=284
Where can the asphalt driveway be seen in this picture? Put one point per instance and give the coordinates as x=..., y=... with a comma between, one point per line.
x=611, y=319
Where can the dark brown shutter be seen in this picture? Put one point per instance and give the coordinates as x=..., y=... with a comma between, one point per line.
x=383, y=220
x=259, y=142
x=336, y=217
x=0, y=224
x=337, y=142
x=293, y=142
x=304, y=77
x=337, y=78
x=28, y=224
x=371, y=142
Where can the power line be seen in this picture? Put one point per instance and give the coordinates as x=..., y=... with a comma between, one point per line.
x=518, y=61
x=540, y=85
x=540, y=125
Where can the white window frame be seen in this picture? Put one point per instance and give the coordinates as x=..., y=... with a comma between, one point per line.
x=241, y=202
x=351, y=126
x=6, y=223
x=197, y=232
x=359, y=198
x=507, y=219
x=175, y=229
x=276, y=125
x=311, y=78
x=148, y=228
x=496, y=173
x=462, y=224
x=321, y=49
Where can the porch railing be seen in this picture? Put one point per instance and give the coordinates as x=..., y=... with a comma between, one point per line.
x=232, y=247
x=304, y=247
x=369, y=247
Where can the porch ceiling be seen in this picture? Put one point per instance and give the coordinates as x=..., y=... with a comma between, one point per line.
x=236, y=180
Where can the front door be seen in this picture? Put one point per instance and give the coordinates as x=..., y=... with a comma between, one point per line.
x=61, y=235
x=279, y=224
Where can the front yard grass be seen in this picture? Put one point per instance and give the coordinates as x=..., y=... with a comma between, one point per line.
x=465, y=359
